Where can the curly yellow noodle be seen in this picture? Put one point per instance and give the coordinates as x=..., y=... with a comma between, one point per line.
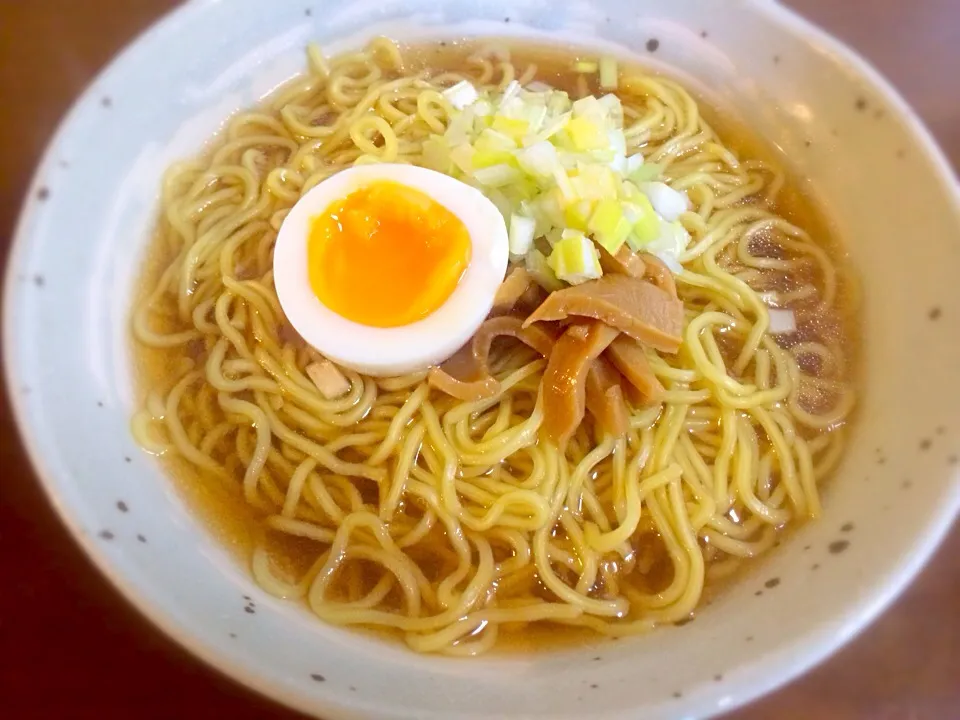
x=452, y=523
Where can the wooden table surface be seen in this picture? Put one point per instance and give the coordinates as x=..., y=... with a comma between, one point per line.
x=71, y=648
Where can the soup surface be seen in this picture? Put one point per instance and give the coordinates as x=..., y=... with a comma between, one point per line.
x=457, y=523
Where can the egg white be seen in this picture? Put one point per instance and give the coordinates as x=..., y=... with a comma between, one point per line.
x=408, y=348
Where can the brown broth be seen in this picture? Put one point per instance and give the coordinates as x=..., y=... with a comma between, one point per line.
x=238, y=527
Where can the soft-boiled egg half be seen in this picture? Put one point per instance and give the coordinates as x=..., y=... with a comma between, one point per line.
x=388, y=269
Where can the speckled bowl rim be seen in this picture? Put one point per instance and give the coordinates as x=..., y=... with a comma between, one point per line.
x=803, y=653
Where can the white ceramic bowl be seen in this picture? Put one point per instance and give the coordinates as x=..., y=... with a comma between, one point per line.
x=870, y=164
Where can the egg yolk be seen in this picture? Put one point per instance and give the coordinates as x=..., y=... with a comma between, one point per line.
x=386, y=255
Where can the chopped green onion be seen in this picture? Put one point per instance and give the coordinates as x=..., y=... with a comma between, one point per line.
x=498, y=198
x=558, y=124
x=461, y=95
x=613, y=108
x=633, y=164
x=585, y=66
x=554, y=236
x=510, y=127
x=488, y=158
x=577, y=214
x=669, y=244
x=670, y=204
x=460, y=129
x=563, y=182
x=585, y=135
x=497, y=175
x=462, y=157
x=522, y=230
x=558, y=171
x=617, y=142
x=574, y=259
x=609, y=225
x=540, y=160
x=646, y=224
x=608, y=73
x=509, y=92
x=782, y=321
x=590, y=108
x=491, y=139
x=645, y=172
x=535, y=115
x=596, y=182
x=541, y=272
x=550, y=206
x=558, y=102
x=436, y=155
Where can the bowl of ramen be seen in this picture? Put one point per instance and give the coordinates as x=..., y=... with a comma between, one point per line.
x=437, y=359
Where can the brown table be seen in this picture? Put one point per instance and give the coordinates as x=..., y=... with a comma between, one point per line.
x=71, y=648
